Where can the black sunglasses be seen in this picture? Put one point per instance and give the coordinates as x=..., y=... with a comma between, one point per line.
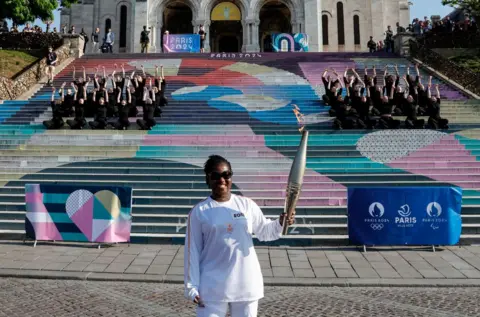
x=225, y=175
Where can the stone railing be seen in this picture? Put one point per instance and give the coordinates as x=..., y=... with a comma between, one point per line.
x=461, y=75
x=451, y=40
x=11, y=89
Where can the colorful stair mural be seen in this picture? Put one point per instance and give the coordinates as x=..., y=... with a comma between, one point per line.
x=239, y=107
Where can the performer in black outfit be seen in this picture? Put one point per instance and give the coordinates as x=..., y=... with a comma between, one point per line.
x=124, y=109
x=148, y=120
x=80, y=82
x=435, y=121
x=68, y=100
x=57, y=121
x=100, y=82
x=119, y=81
x=51, y=63
x=410, y=108
x=79, y=121
x=203, y=36
x=139, y=82
x=100, y=121
x=161, y=85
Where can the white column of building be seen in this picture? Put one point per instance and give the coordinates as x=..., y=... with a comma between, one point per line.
x=153, y=37
x=246, y=37
x=348, y=27
x=313, y=24
x=141, y=19
x=377, y=12
x=251, y=29
x=158, y=36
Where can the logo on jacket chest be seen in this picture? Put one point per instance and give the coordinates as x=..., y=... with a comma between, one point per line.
x=238, y=215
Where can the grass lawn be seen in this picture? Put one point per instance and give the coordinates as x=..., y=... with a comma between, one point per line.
x=12, y=62
x=470, y=62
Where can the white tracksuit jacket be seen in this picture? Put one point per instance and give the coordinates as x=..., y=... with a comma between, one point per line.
x=220, y=261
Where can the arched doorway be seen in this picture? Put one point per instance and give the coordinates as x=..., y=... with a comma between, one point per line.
x=177, y=18
x=226, y=32
x=275, y=17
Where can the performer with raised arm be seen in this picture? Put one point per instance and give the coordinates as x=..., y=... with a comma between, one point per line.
x=435, y=121
x=148, y=120
x=119, y=81
x=57, y=121
x=79, y=121
x=221, y=266
x=161, y=85
x=123, y=111
x=80, y=81
x=100, y=121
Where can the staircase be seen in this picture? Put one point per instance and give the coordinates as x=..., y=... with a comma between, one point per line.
x=240, y=108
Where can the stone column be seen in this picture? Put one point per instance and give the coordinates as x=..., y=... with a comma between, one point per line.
x=251, y=29
x=153, y=38
x=141, y=19
x=313, y=24
x=246, y=38
x=295, y=26
x=377, y=18
x=158, y=37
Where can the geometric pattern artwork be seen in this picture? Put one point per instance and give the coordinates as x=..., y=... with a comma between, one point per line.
x=69, y=213
x=396, y=143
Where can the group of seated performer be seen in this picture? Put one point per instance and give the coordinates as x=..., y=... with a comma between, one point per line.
x=110, y=107
x=369, y=104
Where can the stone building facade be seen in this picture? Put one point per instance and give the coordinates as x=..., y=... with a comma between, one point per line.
x=331, y=25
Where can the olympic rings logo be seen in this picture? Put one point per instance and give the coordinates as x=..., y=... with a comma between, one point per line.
x=376, y=226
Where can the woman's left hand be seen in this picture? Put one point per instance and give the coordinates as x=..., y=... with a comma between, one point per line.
x=290, y=221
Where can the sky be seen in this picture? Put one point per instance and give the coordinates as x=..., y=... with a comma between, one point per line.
x=419, y=9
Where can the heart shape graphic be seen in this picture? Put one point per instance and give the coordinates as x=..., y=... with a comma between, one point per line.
x=92, y=213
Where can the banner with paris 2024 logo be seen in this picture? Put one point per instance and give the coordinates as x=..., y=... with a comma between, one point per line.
x=404, y=215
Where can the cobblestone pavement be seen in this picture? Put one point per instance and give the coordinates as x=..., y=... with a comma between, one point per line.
x=29, y=297
x=451, y=263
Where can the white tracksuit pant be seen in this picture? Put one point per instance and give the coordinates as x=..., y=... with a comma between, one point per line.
x=220, y=309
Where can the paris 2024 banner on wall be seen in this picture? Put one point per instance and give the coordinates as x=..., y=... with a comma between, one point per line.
x=101, y=214
x=287, y=42
x=181, y=43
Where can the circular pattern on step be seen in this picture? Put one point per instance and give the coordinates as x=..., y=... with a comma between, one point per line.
x=388, y=145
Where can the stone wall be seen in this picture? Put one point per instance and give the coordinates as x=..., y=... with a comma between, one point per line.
x=11, y=89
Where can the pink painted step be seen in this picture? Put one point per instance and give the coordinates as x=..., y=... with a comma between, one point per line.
x=441, y=159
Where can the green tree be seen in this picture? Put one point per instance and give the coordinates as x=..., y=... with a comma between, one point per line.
x=22, y=11
x=472, y=6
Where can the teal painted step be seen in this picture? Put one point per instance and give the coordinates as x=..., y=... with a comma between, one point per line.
x=166, y=201
x=467, y=209
x=147, y=177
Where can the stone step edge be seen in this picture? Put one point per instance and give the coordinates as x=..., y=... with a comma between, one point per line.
x=268, y=281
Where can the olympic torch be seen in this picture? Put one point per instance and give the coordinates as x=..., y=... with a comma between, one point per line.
x=295, y=180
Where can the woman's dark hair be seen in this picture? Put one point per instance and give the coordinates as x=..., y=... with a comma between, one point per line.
x=214, y=160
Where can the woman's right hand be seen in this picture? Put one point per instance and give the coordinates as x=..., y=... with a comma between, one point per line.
x=198, y=301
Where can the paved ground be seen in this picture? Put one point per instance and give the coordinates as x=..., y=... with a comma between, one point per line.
x=281, y=266
x=28, y=297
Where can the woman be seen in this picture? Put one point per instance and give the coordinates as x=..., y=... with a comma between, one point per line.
x=221, y=266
